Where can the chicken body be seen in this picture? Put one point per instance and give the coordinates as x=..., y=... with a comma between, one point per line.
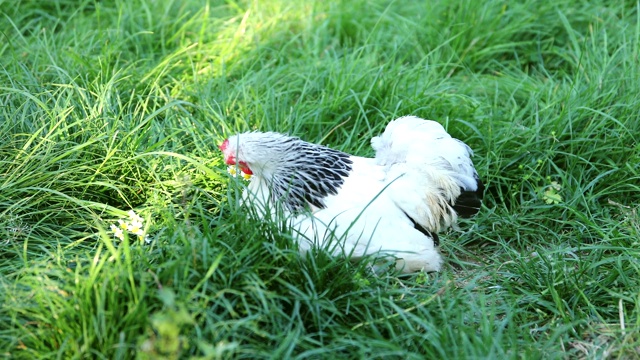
x=393, y=204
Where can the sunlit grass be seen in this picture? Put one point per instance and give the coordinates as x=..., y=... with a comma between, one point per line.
x=112, y=107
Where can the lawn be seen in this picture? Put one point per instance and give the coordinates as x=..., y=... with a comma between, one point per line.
x=108, y=107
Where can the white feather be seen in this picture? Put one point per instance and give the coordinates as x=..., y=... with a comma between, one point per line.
x=365, y=219
x=418, y=173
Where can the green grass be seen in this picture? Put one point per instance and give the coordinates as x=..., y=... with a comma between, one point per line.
x=108, y=106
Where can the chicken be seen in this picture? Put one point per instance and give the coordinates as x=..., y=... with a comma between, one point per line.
x=420, y=180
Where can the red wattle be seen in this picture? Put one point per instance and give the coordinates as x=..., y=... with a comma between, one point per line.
x=245, y=168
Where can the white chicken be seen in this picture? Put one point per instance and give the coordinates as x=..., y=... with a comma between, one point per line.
x=394, y=204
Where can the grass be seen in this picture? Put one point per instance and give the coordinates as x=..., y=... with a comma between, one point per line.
x=109, y=106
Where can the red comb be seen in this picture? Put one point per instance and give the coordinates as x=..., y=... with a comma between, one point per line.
x=224, y=145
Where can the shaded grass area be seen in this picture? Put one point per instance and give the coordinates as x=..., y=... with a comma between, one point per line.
x=112, y=106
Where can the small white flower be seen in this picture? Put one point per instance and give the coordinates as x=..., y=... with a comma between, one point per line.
x=245, y=175
x=134, y=225
x=136, y=228
x=144, y=239
x=134, y=217
x=117, y=232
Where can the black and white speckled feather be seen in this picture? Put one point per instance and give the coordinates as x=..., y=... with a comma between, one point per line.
x=298, y=174
x=308, y=173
